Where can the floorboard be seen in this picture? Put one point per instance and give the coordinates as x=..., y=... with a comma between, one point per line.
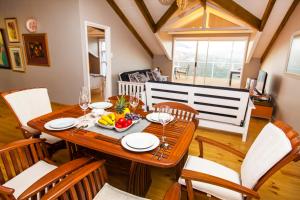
x=284, y=185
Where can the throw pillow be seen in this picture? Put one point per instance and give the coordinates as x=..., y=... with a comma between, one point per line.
x=157, y=75
x=132, y=77
x=150, y=76
x=142, y=78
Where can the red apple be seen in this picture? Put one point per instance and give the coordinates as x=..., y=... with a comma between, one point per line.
x=129, y=122
x=118, y=125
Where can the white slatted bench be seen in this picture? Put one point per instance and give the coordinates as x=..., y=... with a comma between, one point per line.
x=221, y=108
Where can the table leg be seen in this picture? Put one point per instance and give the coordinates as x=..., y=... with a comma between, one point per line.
x=180, y=165
x=139, y=179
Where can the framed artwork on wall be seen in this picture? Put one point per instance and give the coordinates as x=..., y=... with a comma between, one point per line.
x=293, y=62
x=4, y=60
x=17, y=58
x=36, y=49
x=12, y=30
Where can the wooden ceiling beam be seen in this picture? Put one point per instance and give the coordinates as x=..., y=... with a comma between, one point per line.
x=143, y=8
x=266, y=15
x=118, y=11
x=172, y=9
x=279, y=29
x=239, y=12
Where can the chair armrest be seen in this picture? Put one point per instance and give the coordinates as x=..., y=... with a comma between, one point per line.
x=225, y=147
x=6, y=192
x=53, y=176
x=189, y=175
x=174, y=192
x=30, y=132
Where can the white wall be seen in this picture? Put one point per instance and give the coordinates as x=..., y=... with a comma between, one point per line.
x=93, y=45
x=60, y=20
x=127, y=53
x=284, y=88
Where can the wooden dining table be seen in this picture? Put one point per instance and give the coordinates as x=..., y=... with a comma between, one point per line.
x=179, y=136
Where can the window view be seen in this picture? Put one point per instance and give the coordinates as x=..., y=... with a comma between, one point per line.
x=217, y=63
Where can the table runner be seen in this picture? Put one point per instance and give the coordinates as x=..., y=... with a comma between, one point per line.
x=139, y=127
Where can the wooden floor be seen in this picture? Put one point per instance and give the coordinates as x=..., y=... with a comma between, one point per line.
x=283, y=185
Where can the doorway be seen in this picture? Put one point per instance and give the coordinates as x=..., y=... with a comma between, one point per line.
x=98, y=63
x=209, y=61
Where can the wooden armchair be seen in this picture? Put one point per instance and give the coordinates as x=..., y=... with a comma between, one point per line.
x=275, y=146
x=180, y=111
x=27, y=172
x=89, y=182
x=29, y=104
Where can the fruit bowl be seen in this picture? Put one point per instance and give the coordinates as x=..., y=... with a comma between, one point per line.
x=123, y=129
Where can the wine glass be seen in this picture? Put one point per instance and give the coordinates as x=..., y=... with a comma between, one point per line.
x=84, y=101
x=134, y=102
x=164, y=118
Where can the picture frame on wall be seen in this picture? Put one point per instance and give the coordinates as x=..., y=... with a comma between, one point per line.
x=4, y=59
x=12, y=30
x=17, y=58
x=36, y=49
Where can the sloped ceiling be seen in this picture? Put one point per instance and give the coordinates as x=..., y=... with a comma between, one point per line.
x=256, y=7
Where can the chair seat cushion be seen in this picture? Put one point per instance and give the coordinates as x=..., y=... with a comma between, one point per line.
x=209, y=167
x=29, y=176
x=109, y=192
x=50, y=139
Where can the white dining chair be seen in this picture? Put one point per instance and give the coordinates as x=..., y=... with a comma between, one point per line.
x=275, y=146
x=29, y=104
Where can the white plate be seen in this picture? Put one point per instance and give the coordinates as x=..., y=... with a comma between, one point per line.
x=47, y=126
x=140, y=140
x=100, y=105
x=154, y=139
x=61, y=123
x=153, y=117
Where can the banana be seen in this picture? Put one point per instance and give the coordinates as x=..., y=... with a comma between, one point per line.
x=107, y=119
x=112, y=116
x=101, y=121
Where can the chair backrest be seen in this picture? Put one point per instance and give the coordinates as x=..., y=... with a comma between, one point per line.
x=180, y=111
x=274, y=147
x=16, y=157
x=28, y=104
x=85, y=183
x=20, y=155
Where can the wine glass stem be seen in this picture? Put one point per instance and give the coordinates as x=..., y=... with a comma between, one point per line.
x=84, y=112
x=163, y=136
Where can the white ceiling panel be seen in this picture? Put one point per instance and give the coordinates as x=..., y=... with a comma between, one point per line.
x=156, y=9
x=256, y=7
x=131, y=11
x=279, y=10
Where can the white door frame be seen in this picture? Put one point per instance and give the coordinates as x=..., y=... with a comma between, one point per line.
x=108, y=84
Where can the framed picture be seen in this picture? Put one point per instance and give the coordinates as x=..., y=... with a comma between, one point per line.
x=293, y=62
x=36, y=49
x=4, y=60
x=17, y=58
x=12, y=30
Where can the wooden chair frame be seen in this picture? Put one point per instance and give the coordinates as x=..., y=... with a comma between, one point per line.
x=20, y=155
x=293, y=155
x=87, y=181
x=181, y=111
x=29, y=132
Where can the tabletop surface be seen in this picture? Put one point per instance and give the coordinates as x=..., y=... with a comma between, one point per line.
x=179, y=136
